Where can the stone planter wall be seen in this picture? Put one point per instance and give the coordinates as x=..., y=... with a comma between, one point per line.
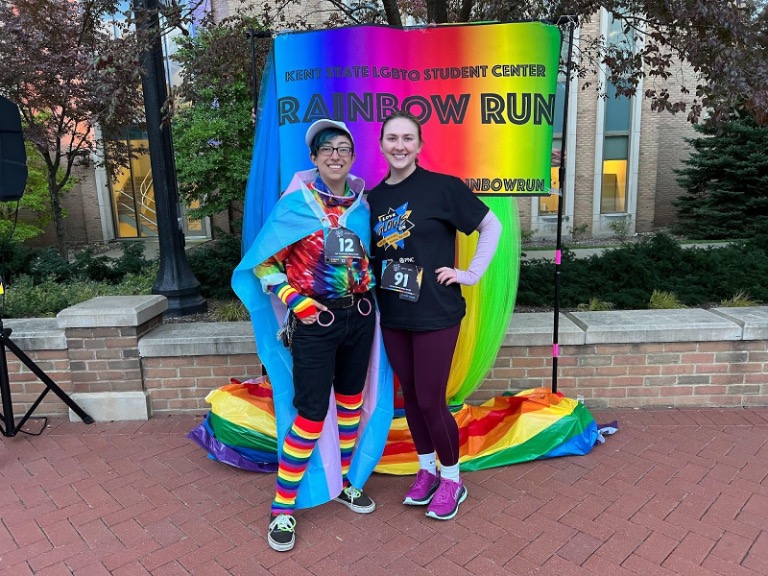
x=119, y=362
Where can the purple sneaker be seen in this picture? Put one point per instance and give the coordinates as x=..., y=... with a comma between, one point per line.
x=422, y=489
x=445, y=504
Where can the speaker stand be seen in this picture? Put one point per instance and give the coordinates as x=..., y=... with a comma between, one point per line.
x=9, y=427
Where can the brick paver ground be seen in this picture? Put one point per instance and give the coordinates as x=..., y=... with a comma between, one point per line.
x=673, y=492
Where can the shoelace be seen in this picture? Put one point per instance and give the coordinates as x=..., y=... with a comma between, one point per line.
x=444, y=494
x=352, y=493
x=283, y=522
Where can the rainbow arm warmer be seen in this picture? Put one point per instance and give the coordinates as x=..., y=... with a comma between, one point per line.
x=300, y=305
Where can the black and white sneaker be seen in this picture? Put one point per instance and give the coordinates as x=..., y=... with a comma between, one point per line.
x=282, y=532
x=356, y=500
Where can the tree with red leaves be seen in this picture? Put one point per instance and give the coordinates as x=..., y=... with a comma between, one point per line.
x=77, y=86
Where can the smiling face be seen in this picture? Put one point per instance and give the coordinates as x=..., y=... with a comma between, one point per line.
x=334, y=167
x=400, y=144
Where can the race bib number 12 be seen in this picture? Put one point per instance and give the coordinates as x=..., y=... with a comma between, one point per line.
x=342, y=244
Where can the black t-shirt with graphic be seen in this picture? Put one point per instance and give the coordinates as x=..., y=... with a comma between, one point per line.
x=414, y=227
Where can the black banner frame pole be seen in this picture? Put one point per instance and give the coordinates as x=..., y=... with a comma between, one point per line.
x=571, y=22
x=252, y=35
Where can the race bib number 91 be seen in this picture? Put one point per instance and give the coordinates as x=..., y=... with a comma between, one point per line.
x=402, y=278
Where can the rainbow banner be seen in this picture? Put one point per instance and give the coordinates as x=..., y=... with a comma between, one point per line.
x=485, y=94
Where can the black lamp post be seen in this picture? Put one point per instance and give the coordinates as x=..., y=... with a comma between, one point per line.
x=175, y=279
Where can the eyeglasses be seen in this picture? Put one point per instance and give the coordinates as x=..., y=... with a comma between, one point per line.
x=328, y=150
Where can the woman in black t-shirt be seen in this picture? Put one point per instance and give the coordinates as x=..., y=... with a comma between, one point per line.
x=415, y=215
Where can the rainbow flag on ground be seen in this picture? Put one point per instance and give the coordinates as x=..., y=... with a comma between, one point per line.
x=240, y=430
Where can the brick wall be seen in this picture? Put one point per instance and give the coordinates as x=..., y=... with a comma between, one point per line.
x=181, y=383
x=672, y=150
x=647, y=168
x=83, y=220
x=586, y=122
x=705, y=373
x=106, y=359
x=26, y=386
x=730, y=373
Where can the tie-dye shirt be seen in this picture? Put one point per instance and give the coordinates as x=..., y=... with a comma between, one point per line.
x=304, y=264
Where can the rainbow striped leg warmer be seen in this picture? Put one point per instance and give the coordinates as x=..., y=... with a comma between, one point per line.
x=348, y=409
x=297, y=448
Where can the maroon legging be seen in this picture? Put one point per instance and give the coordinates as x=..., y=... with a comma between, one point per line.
x=422, y=362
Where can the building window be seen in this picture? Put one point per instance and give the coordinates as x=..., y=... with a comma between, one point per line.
x=616, y=126
x=132, y=194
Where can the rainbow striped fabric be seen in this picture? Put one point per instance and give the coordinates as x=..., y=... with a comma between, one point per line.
x=485, y=94
x=505, y=430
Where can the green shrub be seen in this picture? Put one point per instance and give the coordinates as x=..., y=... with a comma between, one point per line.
x=29, y=298
x=48, y=263
x=739, y=300
x=526, y=236
x=628, y=275
x=213, y=264
x=661, y=300
x=580, y=232
x=620, y=227
x=132, y=260
x=87, y=266
x=137, y=283
x=15, y=260
x=229, y=311
x=595, y=305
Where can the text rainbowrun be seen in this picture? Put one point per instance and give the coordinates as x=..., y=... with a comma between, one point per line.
x=507, y=185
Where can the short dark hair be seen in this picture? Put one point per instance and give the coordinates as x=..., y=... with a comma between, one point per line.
x=326, y=135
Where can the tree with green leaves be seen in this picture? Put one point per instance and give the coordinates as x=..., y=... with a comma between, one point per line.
x=725, y=182
x=34, y=204
x=74, y=69
x=213, y=131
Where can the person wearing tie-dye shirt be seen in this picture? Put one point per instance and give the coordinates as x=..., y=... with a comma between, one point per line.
x=325, y=280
